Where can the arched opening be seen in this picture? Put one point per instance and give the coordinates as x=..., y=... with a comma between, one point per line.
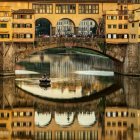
x=64, y=119
x=42, y=27
x=86, y=119
x=65, y=27
x=87, y=27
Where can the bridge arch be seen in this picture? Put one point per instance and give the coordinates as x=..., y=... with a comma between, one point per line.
x=87, y=26
x=64, y=119
x=42, y=27
x=42, y=119
x=65, y=26
x=86, y=119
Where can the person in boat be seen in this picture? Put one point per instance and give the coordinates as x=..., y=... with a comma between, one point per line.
x=45, y=78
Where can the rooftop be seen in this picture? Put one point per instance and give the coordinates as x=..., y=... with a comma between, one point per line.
x=24, y=11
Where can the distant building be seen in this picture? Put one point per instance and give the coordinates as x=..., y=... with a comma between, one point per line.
x=5, y=24
x=23, y=25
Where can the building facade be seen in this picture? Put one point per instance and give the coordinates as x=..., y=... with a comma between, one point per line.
x=81, y=17
x=5, y=23
x=23, y=25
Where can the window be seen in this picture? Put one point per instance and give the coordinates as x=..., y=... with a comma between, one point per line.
x=65, y=9
x=133, y=25
x=114, y=26
x=19, y=16
x=28, y=16
x=119, y=123
x=108, y=36
x=6, y=14
x=125, y=35
x=113, y=124
x=15, y=36
x=109, y=17
x=28, y=25
x=124, y=123
x=21, y=35
x=120, y=26
x=113, y=17
x=2, y=125
x=125, y=17
x=108, y=124
x=43, y=8
x=114, y=36
x=28, y=35
x=15, y=16
x=109, y=26
x=133, y=36
x=120, y=17
x=109, y=114
x=125, y=26
x=3, y=25
x=21, y=114
x=88, y=8
x=4, y=36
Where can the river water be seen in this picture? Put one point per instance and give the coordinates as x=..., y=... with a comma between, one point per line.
x=85, y=100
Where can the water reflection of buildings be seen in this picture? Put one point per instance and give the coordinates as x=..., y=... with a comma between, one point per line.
x=64, y=66
x=19, y=123
x=27, y=117
x=122, y=123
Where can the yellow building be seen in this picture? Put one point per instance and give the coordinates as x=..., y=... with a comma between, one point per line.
x=122, y=24
x=5, y=24
x=122, y=123
x=23, y=25
x=134, y=26
x=5, y=124
x=65, y=17
x=134, y=124
x=16, y=123
x=77, y=17
x=116, y=122
x=22, y=123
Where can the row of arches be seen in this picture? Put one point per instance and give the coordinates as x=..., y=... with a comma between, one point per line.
x=66, y=119
x=65, y=27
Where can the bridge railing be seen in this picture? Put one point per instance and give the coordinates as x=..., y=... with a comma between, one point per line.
x=68, y=39
x=50, y=42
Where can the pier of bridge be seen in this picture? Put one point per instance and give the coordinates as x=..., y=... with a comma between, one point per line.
x=125, y=56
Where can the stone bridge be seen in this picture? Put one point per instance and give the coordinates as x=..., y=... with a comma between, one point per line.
x=96, y=44
x=125, y=56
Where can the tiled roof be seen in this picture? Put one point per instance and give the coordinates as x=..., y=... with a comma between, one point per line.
x=24, y=11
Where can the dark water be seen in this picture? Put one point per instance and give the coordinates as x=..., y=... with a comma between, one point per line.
x=84, y=100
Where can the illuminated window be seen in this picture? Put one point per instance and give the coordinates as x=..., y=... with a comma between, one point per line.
x=43, y=8
x=65, y=9
x=108, y=36
x=21, y=114
x=88, y=8
x=4, y=36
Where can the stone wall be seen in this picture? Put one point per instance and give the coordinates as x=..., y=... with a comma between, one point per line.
x=132, y=59
x=7, y=59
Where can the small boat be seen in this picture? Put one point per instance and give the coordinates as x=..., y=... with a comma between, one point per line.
x=44, y=82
